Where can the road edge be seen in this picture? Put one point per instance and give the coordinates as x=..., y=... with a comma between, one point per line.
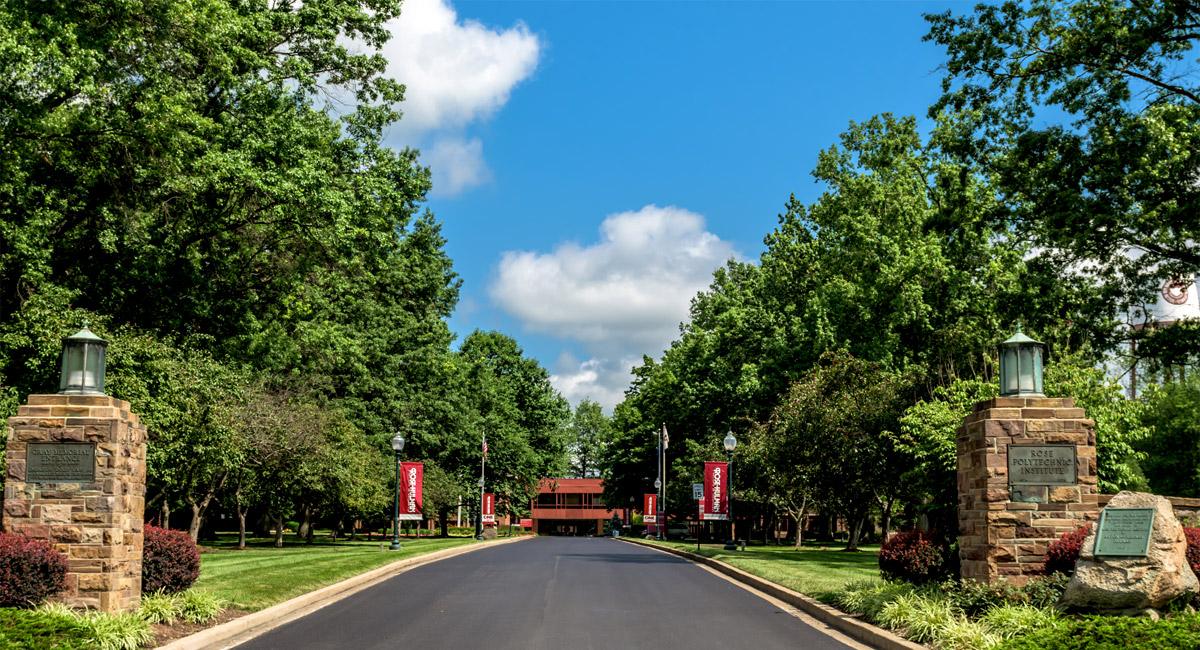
x=843, y=622
x=244, y=628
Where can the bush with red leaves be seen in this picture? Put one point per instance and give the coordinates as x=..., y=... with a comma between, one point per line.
x=914, y=556
x=30, y=571
x=1063, y=553
x=1193, y=548
x=170, y=560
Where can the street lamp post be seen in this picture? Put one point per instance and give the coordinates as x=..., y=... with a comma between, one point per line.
x=397, y=447
x=479, y=521
x=730, y=445
x=658, y=525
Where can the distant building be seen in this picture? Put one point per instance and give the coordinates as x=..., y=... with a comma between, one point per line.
x=571, y=506
x=1176, y=301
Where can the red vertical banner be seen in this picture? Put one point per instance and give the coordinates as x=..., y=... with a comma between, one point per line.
x=411, y=477
x=650, y=511
x=701, y=502
x=489, y=508
x=716, y=490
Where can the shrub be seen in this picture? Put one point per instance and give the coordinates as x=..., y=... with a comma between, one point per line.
x=170, y=561
x=199, y=606
x=962, y=634
x=158, y=607
x=35, y=629
x=915, y=556
x=30, y=571
x=1112, y=633
x=1007, y=621
x=930, y=616
x=1193, y=548
x=1063, y=553
x=975, y=598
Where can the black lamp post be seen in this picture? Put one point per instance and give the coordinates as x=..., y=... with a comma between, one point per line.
x=658, y=523
x=83, y=360
x=730, y=445
x=479, y=520
x=1020, y=366
x=397, y=446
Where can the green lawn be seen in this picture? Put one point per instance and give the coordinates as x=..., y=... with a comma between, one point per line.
x=815, y=571
x=262, y=575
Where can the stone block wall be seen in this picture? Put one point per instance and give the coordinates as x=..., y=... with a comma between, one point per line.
x=97, y=525
x=1005, y=538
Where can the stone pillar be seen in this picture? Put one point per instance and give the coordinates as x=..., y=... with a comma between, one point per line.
x=1004, y=529
x=94, y=518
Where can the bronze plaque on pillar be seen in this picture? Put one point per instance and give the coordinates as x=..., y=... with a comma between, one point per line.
x=60, y=462
x=1041, y=465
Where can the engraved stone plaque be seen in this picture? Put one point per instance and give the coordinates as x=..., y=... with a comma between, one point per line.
x=1041, y=465
x=60, y=462
x=1124, y=531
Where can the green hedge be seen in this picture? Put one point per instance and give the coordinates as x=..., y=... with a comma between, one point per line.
x=1113, y=633
x=22, y=629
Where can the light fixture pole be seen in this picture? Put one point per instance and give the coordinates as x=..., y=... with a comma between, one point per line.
x=479, y=521
x=397, y=447
x=730, y=445
x=657, y=508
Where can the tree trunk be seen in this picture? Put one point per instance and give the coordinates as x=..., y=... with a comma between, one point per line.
x=278, y=530
x=164, y=514
x=241, y=515
x=308, y=525
x=444, y=521
x=855, y=531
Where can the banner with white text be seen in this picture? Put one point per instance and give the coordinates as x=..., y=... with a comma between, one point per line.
x=411, y=477
x=716, y=506
x=650, y=512
x=489, y=508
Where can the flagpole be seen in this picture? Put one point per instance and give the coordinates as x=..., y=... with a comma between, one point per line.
x=662, y=496
x=658, y=506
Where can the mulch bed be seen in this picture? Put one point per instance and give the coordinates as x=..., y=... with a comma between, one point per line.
x=164, y=634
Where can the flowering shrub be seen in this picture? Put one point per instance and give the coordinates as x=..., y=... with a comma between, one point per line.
x=30, y=571
x=1063, y=553
x=915, y=556
x=170, y=561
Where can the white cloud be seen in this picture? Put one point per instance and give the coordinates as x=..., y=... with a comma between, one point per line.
x=457, y=164
x=621, y=297
x=456, y=72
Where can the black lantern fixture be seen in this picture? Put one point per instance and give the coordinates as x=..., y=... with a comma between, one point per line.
x=1021, y=366
x=83, y=360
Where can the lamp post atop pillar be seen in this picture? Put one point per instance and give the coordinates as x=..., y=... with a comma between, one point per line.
x=730, y=444
x=1021, y=366
x=83, y=361
x=397, y=447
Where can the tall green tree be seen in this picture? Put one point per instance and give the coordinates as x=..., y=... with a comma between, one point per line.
x=587, y=436
x=1086, y=116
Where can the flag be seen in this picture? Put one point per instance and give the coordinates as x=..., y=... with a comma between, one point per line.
x=485, y=445
x=666, y=438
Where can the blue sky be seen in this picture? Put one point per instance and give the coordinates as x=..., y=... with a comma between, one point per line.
x=595, y=161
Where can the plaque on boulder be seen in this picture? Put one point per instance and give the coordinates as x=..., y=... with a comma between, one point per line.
x=1126, y=582
x=1041, y=465
x=1124, y=531
x=60, y=462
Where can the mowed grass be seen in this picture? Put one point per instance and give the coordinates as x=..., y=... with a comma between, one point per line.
x=816, y=571
x=263, y=575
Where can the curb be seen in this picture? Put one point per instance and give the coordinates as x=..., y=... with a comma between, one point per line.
x=244, y=628
x=845, y=623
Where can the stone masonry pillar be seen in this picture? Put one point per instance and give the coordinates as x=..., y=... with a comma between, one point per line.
x=77, y=478
x=1011, y=508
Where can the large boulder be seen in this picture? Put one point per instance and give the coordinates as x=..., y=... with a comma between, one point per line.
x=1131, y=584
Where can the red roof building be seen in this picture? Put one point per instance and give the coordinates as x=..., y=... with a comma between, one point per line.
x=571, y=506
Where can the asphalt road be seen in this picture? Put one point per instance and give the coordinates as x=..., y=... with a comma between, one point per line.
x=550, y=593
